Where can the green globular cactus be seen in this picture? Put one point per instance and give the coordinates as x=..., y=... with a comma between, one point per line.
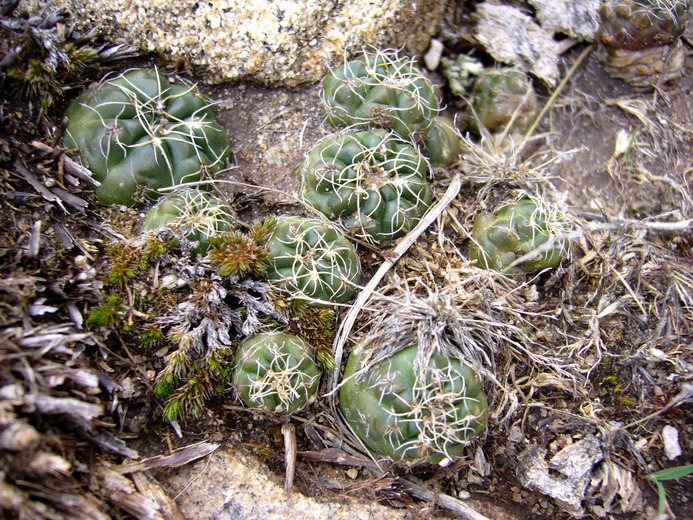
x=640, y=24
x=276, y=372
x=442, y=142
x=409, y=415
x=138, y=133
x=640, y=39
x=312, y=260
x=501, y=94
x=192, y=213
x=515, y=231
x=372, y=181
x=380, y=89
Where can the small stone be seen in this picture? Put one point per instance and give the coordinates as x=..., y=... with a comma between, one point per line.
x=464, y=495
x=352, y=473
x=475, y=479
x=670, y=436
x=516, y=434
x=433, y=55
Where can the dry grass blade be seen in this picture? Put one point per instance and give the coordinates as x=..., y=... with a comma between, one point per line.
x=405, y=243
x=177, y=458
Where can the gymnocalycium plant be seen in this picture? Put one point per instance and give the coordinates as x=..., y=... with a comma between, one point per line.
x=640, y=39
x=275, y=372
x=312, y=260
x=192, y=213
x=442, y=142
x=501, y=94
x=372, y=181
x=522, y=236
x=426, y=415
x=379, y=89
x=138, y=132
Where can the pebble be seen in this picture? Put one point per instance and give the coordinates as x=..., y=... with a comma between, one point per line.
x=670, y=436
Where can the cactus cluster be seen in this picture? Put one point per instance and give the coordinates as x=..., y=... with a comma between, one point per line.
x=138, y=133
x=372, y=181
x=409, y=415
x=640, y=39
x=276, y=373
x=372, y=176
x=193, y=214
x=312, y=260
x=519, y=229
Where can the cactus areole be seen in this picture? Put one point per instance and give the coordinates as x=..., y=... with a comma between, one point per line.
x=275, y=372
x=410, y=417
x=139, y=133
x=372, y=181
x=312, y=260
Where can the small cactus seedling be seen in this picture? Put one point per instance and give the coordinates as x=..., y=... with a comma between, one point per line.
x=461, y=73
x=191, y=213
x=276, y=372
x=380, y=89
x=501, y=95
x=640, y=39
x=426, y=415
x=138, y=133
x=372, y=181
x=443, y=142
x=312, y=260
x=502, y=241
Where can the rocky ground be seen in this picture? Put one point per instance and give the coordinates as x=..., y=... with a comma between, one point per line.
x=77, y=408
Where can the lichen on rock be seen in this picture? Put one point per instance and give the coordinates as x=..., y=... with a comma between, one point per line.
x=279, y=43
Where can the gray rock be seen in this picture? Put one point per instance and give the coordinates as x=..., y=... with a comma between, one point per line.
x=511, y=36
x=576, y=18
x=275, y=42
x=230, y=486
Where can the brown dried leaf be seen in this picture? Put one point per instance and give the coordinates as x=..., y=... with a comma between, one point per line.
x=150, y=488
x=617, y=490
x=122, y=492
